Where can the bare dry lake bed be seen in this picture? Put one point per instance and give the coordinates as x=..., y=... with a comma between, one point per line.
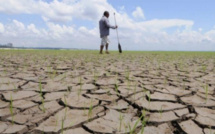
x=82, y=92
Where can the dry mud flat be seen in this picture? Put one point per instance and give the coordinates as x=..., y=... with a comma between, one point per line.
x=74, y=92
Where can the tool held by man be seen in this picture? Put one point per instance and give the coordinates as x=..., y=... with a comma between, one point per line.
x=119, y=46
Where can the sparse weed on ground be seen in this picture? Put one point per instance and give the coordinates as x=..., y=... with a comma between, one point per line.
x=41, y=95
x=66, y=106
x=80, y=89
x=56, y=124
x=121, y=117
x=206, y=92
x=90, y=111
x=11, y=108
x=62, y=125
x=15, y=88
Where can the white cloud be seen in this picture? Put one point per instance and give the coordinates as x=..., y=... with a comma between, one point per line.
x=56, y=10
x=19, y=25
x=138, y=13
x=210, y=35
x=145, y=35
x=122, y=8
x=55, y=36
x=167, y=23
x=1, y=28
x=14, y=28
x=58, y=31
x=14, y=6
x=32, y=28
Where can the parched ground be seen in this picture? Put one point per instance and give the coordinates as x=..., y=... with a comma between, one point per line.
x=82, y=92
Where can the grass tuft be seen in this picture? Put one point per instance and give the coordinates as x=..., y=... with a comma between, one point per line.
x=11, y=108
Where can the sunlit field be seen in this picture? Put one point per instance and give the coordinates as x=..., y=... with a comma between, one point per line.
x=83, y=92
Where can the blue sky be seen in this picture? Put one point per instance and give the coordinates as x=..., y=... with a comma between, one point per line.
x=202, y=12
x=143, y=24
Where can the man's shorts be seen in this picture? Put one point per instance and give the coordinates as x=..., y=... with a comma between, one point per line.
x=105, y=40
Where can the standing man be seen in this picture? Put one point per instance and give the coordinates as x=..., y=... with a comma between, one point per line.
x=104, y=27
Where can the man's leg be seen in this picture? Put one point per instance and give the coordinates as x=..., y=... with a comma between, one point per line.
x=101, y=48
x=107, y=48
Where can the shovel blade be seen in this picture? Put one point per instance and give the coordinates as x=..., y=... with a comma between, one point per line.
x=120, y=49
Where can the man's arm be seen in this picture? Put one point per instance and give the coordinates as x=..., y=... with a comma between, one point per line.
x=108, y=24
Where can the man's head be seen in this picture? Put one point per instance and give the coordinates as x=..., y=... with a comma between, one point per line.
x=106, y=13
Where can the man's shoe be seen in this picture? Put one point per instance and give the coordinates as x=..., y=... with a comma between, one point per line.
x=107, y=52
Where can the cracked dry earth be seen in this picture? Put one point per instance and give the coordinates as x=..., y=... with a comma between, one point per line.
x=81, y=92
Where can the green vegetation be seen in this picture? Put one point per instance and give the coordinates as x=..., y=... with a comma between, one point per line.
x=116, y=88
x=11, y=108
x=42, y=99
x=127, y=74
x=95, y=75
x=149, y=96
x=62, y=125
x=121, y=117
x=15, y=88
x=56, y=124
x=80, y=89
x=54, y=73
x=206, y=92
x=132, y=129
x=65, y=101
x=144, y=121
x=90, y=111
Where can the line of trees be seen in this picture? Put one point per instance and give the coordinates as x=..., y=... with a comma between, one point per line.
x=8, y=45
